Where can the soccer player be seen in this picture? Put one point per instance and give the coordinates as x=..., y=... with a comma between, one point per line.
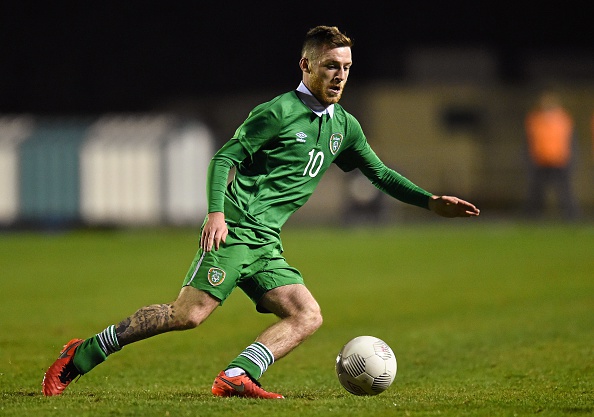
x=280, y=153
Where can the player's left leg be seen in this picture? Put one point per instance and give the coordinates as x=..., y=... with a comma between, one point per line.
x=300, y=317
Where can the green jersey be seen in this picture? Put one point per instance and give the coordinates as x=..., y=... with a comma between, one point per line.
x=281, y=151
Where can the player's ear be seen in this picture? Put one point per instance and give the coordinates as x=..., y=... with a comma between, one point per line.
x=304, y=64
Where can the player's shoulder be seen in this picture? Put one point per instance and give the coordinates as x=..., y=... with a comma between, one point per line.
x=345, y=117
x=282, y=107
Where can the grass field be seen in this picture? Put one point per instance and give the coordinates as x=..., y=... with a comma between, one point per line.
x=485, y=320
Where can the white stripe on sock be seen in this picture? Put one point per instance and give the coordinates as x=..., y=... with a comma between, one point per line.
x=260, y=355
x=108, y=340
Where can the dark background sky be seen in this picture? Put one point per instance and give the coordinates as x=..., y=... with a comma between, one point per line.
x=96, y=56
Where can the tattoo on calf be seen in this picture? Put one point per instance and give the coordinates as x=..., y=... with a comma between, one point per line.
x=146, y=322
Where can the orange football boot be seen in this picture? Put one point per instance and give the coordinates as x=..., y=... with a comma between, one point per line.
x=240, y=386
x=62, y=371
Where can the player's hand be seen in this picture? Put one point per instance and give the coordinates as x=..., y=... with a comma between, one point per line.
x=447, y=206
x=214, y=232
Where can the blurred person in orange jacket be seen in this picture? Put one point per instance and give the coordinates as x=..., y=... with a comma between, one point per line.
x=550, y=138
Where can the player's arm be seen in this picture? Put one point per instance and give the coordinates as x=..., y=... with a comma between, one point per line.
x=360, y=155
x=406, y=191
x=215, y=229
x=388, y=180
x=401, y=188
x=398, y=186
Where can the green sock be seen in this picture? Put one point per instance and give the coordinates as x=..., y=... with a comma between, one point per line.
x=248, y=366
x=88, y=355
x=254, y=360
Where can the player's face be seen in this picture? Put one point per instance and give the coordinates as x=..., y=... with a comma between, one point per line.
x=326, y=75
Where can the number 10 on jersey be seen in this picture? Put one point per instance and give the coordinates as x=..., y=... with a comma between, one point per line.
x=316, y=160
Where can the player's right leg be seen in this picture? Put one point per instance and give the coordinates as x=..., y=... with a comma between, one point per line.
x=78, y=356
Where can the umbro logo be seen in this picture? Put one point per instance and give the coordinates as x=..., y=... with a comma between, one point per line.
x=301, y=137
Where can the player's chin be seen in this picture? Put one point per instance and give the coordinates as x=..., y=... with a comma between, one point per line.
x=333, y=98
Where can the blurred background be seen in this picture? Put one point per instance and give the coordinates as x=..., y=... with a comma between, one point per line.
x=110, y=111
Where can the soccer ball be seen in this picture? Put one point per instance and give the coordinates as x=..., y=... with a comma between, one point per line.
x=366, y=366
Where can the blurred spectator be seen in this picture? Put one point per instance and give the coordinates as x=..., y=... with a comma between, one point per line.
x=551, y=140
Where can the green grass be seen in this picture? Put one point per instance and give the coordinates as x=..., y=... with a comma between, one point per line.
x=485, y=320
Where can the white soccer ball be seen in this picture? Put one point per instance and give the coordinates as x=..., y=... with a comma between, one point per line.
x=366, y=366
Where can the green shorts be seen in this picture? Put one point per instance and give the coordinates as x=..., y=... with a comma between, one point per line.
x=255, y=269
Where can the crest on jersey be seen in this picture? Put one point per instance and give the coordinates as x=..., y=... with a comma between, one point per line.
x=216, y=276
x=335, y=142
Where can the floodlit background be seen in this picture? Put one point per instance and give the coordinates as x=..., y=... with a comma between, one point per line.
x=110, y=111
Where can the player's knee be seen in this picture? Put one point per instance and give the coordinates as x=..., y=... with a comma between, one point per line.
x=312, y=318
x=190, y=318
x=309, y=315
x=192, y=307
x=316, y=322
x=193, y=321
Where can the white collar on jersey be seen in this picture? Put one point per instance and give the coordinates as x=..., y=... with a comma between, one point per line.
x=310, y=101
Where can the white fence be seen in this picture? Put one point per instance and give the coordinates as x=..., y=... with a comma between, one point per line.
x=141, y=169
